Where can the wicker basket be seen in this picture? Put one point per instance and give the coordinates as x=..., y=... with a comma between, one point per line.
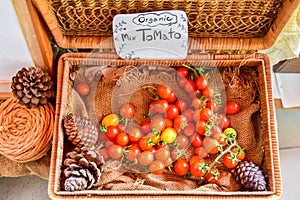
x=214, y=25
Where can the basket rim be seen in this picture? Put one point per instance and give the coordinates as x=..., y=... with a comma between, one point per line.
x=208, y=43
x=271, y=128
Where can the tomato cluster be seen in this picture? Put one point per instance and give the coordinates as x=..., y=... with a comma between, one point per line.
x=174, y=125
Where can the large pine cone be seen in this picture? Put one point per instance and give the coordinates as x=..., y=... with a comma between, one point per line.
x=250, y=176
x=80, y=131
x=83, y=168
x=32, y=86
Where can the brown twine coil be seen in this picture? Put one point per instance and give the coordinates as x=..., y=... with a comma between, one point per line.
x=25, y=134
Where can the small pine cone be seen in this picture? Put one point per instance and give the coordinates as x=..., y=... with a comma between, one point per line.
x=83, y=168
x=33, y=87
x=80, y=131
x=250, y=176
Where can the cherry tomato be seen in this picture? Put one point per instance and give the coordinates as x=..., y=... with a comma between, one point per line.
x=230, y=132
x=188, y=113
x=133, y=152
x=153, y=137
x=198, y=103
x=213, y=175
x=168, y=135
x=163, y=153
x=196, y=140
x=182, y=82
x=206, y=114
x=209, y=143
x=83, y=89
x=182, y=72
x=189, y=86
x=201, y=152
x=168, y=123
x=172, y=98
x=199, y=168
x=224, y=121
x=157, y=167
x=135, y=134
x=183, y=141
x=110, y=120
x=181, y=105
x=158, y=123
x=115, y=151
x=196, y=115
x=201, y=127
x=112, y=132
x=180, y=122
x=103, y=153
x=208, y=92
x=127, y=110
x=181, y=167
x=145, y=144
x=145, y=127
x=189, y=130
x=168, y=162
x=221, y=137
x=145, y=158
x=211, y=104
x=230, y=161
x=159, y=106
x=164, y=91
x=176, y=153
x=122, y=127
x=195, y=159
x=239, y=153
x=232, y=107
x=172, y=112
x=122, y=139
x=201, y=82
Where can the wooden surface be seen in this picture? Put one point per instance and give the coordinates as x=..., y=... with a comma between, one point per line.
x=35, y=34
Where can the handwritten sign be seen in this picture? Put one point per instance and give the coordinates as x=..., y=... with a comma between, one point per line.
x=152, y=35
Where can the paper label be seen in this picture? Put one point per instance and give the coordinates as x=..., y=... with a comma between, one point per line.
x=152, y=35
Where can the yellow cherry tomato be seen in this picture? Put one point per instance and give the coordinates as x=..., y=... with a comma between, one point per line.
x=110, y=120
x=168, y=135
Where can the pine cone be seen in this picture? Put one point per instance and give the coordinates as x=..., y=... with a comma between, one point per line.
x=32, y=86
x=80, y=131
x=250, y=176
x=83, y=168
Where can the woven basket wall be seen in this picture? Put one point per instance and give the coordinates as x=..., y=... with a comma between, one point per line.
x=221, y=24
x=258, y=61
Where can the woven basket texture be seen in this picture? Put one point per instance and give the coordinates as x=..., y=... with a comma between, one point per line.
x=25, y=134
x=259, y=119
x=232, y=24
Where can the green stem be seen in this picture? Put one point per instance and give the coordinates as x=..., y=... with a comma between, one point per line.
x=191, y=68
x=218, y=158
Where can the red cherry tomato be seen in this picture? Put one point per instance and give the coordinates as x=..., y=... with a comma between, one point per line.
x=183, y=141
x=208, y=92
x=189, y=130
x=172, y=98
x=198, y=103
x=157, y=167
x=83, y=89
x=182, y=72
x=135, y=134
x=239, y=153
x=180, y=122
x=133, y=152
x=145, y=127
x=122, y=139
x=199, y=168
x=172, y=112
x=230, y=161
x=115, y=151
x=232, y=107
x=213, y=175
x=145, y=144
x=201, y=127
x=181, y=167
x=158, y=123
x=196, y=140
x=145, y=158
x=127, y=110
x=189, y=86
x=163, y=153
x=181, y=105
x=201, y=82
x=224, y=121
x=201, y=152
x=158, y=106
x=164, y=91
x=188, y=113
x=112, y=132
x=205, y=114
x=211, y=104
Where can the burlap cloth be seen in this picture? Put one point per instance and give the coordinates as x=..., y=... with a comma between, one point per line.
x=136, y=85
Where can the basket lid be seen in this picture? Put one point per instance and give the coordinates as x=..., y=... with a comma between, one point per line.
x=213, y=24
